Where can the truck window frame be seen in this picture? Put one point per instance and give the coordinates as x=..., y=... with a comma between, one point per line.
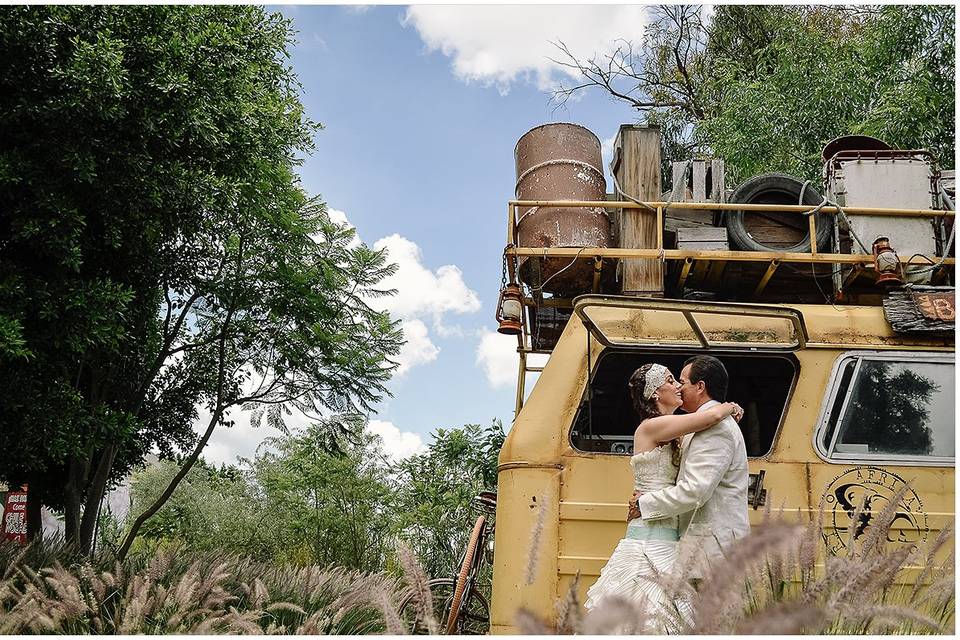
x=653, y=351
x=830, y=400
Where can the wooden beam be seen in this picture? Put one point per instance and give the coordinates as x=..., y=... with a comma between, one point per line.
x=736, y=256
x=726, y=206
x=638, y=174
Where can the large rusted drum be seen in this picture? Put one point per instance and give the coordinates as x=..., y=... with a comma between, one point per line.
x=560, y=161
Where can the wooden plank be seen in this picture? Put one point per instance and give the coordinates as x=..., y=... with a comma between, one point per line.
x=679, y=181
x=719, y=181
x=699, y=181
x=638, y=174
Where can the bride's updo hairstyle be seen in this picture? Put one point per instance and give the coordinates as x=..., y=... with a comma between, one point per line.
x=646, y=407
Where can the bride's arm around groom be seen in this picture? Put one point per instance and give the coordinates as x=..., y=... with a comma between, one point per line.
x=711, y=491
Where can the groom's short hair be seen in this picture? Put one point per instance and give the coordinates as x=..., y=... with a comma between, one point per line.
x=713, y=374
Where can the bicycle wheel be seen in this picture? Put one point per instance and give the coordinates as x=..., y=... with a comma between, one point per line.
x=441, y=593
x=474, y=613
x=466, y=570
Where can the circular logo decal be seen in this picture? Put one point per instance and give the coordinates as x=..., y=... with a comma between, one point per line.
x=877, y=487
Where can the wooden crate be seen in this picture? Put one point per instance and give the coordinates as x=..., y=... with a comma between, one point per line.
x=703, y=182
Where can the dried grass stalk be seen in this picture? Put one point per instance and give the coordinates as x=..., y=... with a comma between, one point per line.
x=615, y=615
x=530, y=624
x=568, y=610
x=534, y=554
x=418, y=583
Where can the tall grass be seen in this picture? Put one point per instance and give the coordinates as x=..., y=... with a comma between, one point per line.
x=47, y=589
x=782, y=580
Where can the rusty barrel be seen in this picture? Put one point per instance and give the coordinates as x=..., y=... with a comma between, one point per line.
x=560, y=161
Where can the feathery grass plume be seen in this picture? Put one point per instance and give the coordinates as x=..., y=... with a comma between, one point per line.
x=880, y=523
x=868, y=616
x=615, y=615
x=809, y=542
x=721, y=593
x=534, y=554
x=530, y=624
x=568, y=610
x=391, y=617
x=787, y=618
x=869, y=577
x=418, y=584
x=853, y=531
x=945, y=534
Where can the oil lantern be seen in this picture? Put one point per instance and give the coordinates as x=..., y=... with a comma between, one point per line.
x=509, y=309
x=886, y=262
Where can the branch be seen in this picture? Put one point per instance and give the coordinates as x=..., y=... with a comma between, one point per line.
x=214, y=420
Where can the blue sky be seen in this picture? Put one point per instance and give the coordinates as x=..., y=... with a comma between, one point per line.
x=421, y=110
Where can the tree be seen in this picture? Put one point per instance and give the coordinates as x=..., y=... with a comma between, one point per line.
x=331, y=508
x=765, y=87
x=434, y=492
x=159, y=254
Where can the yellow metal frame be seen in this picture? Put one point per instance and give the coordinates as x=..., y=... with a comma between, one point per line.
x=773, y=258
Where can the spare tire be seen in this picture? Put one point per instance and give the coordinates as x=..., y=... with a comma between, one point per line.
x=776, y=231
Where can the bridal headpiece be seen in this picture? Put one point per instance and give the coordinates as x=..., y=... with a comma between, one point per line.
x=655, y=378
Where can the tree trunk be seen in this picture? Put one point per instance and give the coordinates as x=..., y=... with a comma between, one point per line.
x=91, y=509
x=159, y=502
x=71, y=506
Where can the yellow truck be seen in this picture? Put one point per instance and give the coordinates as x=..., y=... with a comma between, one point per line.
x=842, y=355
x=810, y=377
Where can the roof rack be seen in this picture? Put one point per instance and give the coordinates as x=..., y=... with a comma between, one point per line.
x=768, y=261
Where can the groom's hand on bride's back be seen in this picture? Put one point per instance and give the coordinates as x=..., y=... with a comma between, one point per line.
x=633, y=512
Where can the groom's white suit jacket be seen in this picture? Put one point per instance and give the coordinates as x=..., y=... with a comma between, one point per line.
x=711, y=491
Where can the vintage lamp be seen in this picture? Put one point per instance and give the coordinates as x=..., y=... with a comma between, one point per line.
x=886, y=262
x=509, y=310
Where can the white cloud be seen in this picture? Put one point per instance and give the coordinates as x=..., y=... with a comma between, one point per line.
x=418, y=348
x=606, y=149
x=497, y=356
x=242, y=440
x=499, y=44
x=420, y=291
x=396, y=444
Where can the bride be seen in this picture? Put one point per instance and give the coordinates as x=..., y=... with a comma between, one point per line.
x=649, y=547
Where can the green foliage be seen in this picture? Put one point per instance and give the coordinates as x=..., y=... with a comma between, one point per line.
x=826, y=72
x=158, y=252
x=211, y=510
x=297, y=503
x=767, y=86
x=434, y=493
x=324, y=508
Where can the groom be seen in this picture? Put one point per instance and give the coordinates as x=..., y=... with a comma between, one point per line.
x=711, y=491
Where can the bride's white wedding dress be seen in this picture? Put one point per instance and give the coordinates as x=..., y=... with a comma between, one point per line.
x=648, y=549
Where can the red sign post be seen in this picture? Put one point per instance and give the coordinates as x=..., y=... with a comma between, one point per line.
x=15, y=516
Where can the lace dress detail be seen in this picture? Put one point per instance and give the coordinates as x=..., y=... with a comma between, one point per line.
x=648, y=549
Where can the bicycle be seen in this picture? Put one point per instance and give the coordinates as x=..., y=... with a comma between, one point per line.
x=459, y=606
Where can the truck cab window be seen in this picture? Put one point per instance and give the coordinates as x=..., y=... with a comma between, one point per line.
x=892, y=406
x=606, y=420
